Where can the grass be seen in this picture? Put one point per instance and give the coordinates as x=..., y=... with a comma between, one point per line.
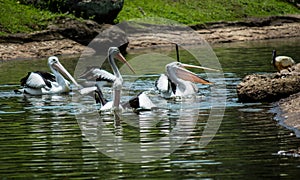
x=193, y=12
x=18, y=18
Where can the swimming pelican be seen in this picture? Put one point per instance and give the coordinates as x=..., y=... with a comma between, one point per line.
x=178, y=81
x=114, y=52
x=141, y=102
x=94, y=74
x=281, y=62
x=39, y=82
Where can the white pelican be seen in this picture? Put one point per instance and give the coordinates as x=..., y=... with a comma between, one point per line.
x=140, y=102
x=178, y=81
x=281, y=62
x=95, y=74
x=114, y=52
x=39, y=83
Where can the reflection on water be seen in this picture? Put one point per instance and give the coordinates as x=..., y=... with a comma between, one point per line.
x=41, y=138
x=143, y=137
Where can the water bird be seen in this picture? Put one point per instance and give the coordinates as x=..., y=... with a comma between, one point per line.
x=94, y=74
x=40, y=82
x=115, y=104
x=138, y=103
x=178, y=81
x=281, y=62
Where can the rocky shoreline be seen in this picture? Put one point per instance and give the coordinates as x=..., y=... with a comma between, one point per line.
x=282, y=88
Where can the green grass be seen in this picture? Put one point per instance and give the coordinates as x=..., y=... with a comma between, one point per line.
x=18, y=18
x=193, y=12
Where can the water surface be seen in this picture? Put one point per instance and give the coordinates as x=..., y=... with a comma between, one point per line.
x=41, y=138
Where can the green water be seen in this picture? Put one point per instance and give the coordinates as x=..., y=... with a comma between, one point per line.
x=44, y=138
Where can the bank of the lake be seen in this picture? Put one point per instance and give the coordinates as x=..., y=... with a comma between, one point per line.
x=52, y=42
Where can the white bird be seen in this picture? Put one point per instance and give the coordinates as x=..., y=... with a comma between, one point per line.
x=178, y=81
x=39, y=82
x=281, y=62
x=140, y=102
x=94, y=74
x=114, y=52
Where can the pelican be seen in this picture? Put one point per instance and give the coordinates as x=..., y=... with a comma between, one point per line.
x=141, y=102
x=39, y=82
x=94, y=74
x=178, y=81
x=114, y=52
x=281, y=62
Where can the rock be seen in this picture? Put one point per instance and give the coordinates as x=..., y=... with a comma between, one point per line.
x=101, y=11
x=80, y=31
x=269, y=87
x=64, y=36
x=99, y=37
x=111, y=36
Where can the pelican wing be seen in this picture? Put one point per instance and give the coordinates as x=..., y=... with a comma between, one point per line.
x=37, y=80
x=162, y=84
x=103, y=75
x=87, y=90
x=190, y=76
x=145, y=102
x=139, y=102
x=95, y=73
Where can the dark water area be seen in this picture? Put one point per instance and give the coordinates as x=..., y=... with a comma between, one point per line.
x=57, y=137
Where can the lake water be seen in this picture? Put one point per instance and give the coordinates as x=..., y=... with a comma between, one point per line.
x=61, y=137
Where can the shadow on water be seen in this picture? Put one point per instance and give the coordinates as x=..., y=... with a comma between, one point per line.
x=41, y=137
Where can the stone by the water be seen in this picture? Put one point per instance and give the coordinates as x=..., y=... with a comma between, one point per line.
x=269, y=87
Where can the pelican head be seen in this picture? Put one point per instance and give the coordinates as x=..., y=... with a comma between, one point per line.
x=115, y=52
x=178, y=70
x=57, y=68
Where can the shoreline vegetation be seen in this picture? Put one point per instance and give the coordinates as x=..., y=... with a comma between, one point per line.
x=16, y=17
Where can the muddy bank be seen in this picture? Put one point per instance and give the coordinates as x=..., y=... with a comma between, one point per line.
x=282, y=88
x=39, y=49
x=288, y=112
x=69, y=37
x=224, y=32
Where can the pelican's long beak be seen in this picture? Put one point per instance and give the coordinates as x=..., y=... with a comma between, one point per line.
x=187, y=75
x=120, y=57
x=64, y=72
x=199, y=67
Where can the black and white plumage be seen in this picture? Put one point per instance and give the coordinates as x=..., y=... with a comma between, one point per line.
x=114, y=52
x=95, y=74
x=39, y=83
x=141, y=102
x=281, y=62
x=178, y=81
